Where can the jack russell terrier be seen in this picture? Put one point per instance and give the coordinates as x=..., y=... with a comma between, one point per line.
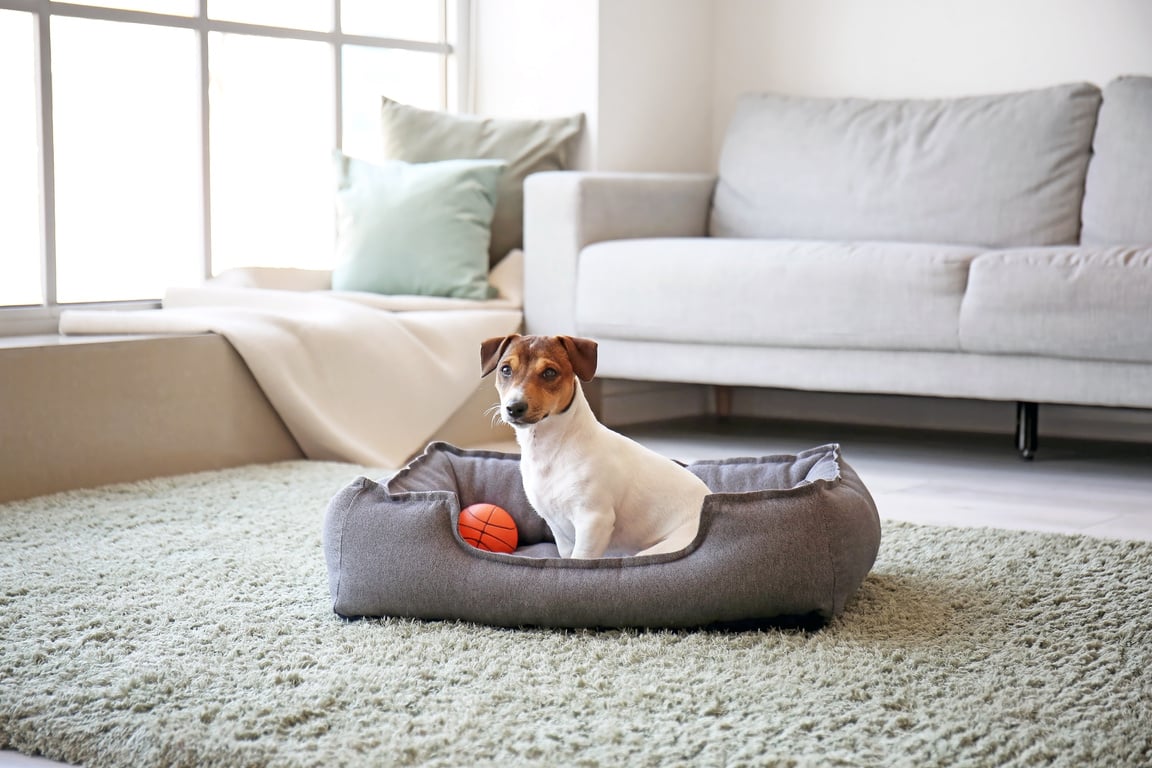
x=600, y=493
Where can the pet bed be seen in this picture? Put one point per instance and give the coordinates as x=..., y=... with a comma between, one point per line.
x=781, y=537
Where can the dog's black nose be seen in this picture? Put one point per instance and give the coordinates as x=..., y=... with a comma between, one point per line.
x=516, y=409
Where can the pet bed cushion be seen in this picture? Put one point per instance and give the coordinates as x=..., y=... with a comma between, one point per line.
x=780, y=537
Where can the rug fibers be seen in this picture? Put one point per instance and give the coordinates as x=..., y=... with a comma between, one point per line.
x=185, y=622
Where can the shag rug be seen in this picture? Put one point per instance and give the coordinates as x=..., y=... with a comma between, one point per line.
x=186, y=622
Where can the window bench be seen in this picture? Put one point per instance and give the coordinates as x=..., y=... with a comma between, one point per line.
x=84, y=411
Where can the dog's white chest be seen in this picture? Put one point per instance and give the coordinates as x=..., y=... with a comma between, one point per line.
x=557, y=484
x=548, y=482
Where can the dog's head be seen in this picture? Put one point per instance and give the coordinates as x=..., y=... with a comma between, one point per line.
x=536, y=376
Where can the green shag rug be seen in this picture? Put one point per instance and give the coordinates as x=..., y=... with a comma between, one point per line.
x=186, y=622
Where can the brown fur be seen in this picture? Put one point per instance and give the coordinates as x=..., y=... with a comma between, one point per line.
x=545, y=368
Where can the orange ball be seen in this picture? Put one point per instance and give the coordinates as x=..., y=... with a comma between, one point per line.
x=487, y=526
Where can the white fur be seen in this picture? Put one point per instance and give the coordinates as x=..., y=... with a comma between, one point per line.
x=601, y=493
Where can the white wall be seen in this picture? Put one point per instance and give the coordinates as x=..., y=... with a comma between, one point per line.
x=922, y=48
x=639, y=70
x=655, y=85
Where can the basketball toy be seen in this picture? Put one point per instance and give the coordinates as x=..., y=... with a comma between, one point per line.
x=489, y=527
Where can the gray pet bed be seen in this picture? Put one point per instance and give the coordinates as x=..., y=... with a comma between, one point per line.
x=781, y=538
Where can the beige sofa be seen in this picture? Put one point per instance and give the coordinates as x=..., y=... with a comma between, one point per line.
x=995, y=247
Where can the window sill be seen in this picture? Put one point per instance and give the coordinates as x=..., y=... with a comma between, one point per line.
x=30, y=322
x=58, y=340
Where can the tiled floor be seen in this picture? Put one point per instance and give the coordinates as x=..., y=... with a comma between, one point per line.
x=17, y=760
x=952, y=478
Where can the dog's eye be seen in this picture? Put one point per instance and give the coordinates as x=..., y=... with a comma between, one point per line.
x=505, y=370
x=550, y=373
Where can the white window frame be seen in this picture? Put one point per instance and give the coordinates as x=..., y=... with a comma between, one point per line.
x=455, y=94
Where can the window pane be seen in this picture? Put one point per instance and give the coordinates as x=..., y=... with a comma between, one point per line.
x=411, y=77
x=272, y=141
x=169, y=7
x=127, y=152
x=19, y=158
x=421, y=20
x=295, y=14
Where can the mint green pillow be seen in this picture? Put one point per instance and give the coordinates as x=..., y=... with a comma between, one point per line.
x=415, y=228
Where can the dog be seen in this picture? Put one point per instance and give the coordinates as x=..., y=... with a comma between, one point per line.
x=601, y=494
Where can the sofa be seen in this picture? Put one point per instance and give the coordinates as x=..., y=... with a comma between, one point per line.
x=993, y=247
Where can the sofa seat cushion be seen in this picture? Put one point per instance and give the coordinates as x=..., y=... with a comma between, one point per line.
x=1118, y=191
x=1088, y=303
x=773, y=292
x=1000, y=171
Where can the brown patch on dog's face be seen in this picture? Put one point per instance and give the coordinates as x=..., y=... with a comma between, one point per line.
x=535, y=379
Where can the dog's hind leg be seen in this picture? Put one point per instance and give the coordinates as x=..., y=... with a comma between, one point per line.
x=675, y=541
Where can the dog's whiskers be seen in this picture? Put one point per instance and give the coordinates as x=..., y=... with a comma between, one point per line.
x=495, y=412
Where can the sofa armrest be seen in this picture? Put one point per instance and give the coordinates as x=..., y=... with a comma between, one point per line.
x=565, y=211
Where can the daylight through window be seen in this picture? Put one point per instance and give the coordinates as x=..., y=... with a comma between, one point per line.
x=150, y=143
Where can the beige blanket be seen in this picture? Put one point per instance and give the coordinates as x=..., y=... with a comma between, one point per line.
x=355, y=377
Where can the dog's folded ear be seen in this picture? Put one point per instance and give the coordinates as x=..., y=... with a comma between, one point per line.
x=492, y=350
x=582, y=355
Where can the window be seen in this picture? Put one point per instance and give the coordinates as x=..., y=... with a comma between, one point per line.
x=271, y=151
x=19, y=170
x=149, y=143
x=126, y=144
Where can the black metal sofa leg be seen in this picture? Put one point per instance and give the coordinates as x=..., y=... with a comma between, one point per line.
x=1027, y=418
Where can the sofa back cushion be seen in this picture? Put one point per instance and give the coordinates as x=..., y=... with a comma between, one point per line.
x=1002, y=170
x=1118, y=193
